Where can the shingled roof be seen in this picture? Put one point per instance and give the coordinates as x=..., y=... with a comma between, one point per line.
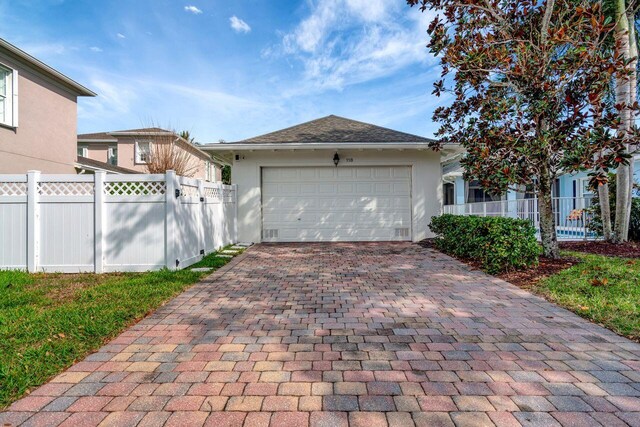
x=96, y=164
x=103, y=136
x=334, y=129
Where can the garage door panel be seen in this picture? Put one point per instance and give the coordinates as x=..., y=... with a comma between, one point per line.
x=401, y=173
x=336, y=204
x=345, y=173
x=325, y=173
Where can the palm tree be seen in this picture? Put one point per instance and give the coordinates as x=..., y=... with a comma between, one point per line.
x=186, y=135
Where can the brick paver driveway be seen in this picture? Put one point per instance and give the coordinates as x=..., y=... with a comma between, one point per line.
x=366, y=334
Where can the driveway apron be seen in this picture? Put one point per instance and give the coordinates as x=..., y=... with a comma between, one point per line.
x=362, y=334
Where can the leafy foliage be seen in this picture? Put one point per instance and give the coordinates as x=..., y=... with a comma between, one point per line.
x=499, y=244
x=226, y=174
x=529, y=81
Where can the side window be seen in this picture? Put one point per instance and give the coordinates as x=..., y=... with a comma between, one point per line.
x=112, y=156
x=143, y=151
x=8, y=97
x=83, y=151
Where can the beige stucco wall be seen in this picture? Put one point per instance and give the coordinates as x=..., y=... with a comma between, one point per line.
x=426, y=178
x=45, y=138
x=97, y=151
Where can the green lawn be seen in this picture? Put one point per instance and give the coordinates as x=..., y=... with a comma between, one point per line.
x=605, y=290
x=48, y=321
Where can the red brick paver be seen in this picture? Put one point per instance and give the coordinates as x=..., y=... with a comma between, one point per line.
x=369, y=334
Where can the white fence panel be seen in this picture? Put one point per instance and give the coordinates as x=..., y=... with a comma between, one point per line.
x=134, y=222
x=73, y=223
x=13, y=221
x=189, y=227
x=66, y=226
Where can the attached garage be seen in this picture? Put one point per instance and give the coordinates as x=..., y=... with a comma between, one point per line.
x=355, y=203
x=334, y=179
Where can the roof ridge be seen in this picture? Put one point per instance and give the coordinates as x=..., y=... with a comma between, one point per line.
x=334, y=128
x=293, y=126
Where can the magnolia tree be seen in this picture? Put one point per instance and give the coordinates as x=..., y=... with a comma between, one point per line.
x=529, y=80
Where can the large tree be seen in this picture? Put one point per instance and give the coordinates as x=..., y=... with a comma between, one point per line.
x=624, y=12
x=528, y=79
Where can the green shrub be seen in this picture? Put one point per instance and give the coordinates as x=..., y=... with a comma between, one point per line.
x=499, y=244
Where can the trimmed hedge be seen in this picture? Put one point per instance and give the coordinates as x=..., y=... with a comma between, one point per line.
x=499, y=244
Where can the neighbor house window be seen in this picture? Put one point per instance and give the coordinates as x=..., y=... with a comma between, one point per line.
x=585, y=191
x=8, y=97
x=112, y=156
x=475, y=193
x=83, y=151
x=449, y=190
x=143, y=151
x=207, y=170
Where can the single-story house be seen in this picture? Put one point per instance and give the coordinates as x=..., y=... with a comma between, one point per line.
x=458, y=191
x=334, y=179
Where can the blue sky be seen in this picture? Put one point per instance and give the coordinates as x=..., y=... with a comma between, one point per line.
x=234, y=69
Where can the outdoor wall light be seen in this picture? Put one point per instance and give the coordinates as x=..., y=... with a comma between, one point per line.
x=336, y=159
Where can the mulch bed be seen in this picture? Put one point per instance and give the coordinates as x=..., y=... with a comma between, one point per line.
x=546, y=267
x=625, y=250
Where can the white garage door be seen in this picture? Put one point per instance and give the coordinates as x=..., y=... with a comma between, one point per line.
x=313, y=204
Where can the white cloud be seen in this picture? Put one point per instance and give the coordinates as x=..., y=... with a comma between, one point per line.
x=344, y=42
x=95, y=49
x=193, y=9
x=121, y=36
x=238, y=25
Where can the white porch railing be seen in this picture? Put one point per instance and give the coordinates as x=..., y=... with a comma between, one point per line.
x=572, y=216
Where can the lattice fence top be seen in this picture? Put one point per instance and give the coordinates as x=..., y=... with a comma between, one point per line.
x=65, y=188
x=187, y=190
x=212, y=193
x=135, y=188
x=13, y=188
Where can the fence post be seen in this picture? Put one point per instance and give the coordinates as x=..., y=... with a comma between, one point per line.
x=33, y=221
x=203, y=242
x=235, y=212
x=171, y=201
x=99, y=220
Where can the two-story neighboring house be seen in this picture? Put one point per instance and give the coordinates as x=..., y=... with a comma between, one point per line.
x=132, y=149
x=38, y=114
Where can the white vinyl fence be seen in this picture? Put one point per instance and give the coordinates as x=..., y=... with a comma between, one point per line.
x=104, y=223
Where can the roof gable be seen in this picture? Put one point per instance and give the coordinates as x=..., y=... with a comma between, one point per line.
x=44, y=69
x=334, y=129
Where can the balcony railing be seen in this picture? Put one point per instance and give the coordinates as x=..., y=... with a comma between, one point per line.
x=572, y=214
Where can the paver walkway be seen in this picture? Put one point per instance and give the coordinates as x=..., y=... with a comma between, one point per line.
x=366, y=334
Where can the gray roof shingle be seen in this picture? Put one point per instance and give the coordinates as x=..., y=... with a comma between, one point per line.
x=333, y=129
x=108, y=136
x=85, y=161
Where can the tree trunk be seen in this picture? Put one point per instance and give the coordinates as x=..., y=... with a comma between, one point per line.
x=633, y=95
x=623, y=83
x=605, y=211
x=547, y=219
